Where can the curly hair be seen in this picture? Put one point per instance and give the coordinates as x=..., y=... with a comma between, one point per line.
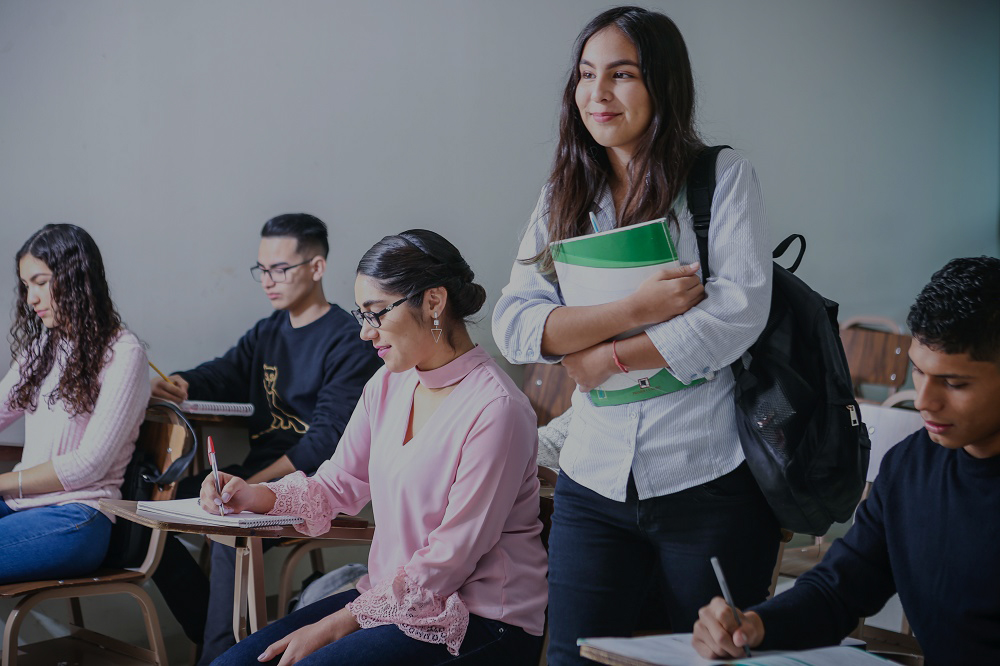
x=87, y=322
x=958, y=311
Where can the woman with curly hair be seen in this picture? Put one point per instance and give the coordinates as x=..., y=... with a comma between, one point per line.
x=80, y=379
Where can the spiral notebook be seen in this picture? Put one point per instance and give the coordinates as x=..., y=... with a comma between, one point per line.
x=189, y=511
x=217, y=408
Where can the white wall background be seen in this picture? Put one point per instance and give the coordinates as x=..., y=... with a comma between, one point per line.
x=173, y=130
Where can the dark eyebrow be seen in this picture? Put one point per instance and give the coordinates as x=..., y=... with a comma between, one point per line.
x=612, y=65
x=369, y=304
x=946, y=376
x=275, y=265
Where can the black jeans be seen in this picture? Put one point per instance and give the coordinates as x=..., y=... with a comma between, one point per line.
x=602, y=555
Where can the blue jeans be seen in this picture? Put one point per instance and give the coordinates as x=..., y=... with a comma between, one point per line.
x=487, y=643
x=63, y=541
x=603, y=554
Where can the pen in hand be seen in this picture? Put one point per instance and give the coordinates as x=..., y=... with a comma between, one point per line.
x=727, y=596
x=215, y=473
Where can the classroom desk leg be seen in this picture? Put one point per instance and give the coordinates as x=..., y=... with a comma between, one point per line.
x=249, y=608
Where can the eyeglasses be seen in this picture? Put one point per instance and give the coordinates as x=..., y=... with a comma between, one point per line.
x=276, y=274
x=373, y=317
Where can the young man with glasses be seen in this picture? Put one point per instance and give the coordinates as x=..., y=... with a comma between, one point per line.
x=303, y=369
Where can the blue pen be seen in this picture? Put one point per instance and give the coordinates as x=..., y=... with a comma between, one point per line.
x=727, y=596
x=593, y=221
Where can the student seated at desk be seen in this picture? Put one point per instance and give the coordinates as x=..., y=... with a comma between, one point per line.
x=443, y=444
x=930, y=530
x=303, y=368
x=79, y=380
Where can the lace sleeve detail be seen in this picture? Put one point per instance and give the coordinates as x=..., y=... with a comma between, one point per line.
x=418, y=612
x=298, y=495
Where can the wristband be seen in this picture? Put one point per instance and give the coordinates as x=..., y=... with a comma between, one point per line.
x=614, y=354
x=20, y=488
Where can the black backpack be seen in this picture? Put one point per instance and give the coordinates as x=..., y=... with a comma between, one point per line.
x=800, y=426
x=129, y=541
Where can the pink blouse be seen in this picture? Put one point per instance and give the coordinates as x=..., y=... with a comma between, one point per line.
x=456, y=507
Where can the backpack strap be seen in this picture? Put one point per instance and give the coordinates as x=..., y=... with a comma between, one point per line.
x=700, y=190
x=783, y=247
x=179, y=466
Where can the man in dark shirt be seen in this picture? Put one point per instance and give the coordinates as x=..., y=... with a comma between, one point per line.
x=303, y=369
x=929, y=530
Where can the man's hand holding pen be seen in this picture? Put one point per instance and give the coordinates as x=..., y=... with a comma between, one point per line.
x=717, y=634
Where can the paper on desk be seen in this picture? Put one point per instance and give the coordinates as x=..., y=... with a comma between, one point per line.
x=676, y=650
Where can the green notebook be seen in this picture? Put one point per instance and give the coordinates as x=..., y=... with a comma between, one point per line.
x=608, y=266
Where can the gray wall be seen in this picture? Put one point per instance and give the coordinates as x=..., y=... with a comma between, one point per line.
x=173, y=130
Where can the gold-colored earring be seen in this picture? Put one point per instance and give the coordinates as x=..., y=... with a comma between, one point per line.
x=436, y=328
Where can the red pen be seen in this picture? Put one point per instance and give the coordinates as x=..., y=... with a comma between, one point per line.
x=215, y=472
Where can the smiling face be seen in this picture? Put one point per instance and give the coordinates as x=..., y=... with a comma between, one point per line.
x=611, y=96
x=958, y=399
x=36, y=277
x=299, y=283
x=403, y=340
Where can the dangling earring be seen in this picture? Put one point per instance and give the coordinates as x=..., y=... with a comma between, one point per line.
x=436, y=329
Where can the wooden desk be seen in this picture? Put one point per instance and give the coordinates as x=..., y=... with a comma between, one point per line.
x=249, y=612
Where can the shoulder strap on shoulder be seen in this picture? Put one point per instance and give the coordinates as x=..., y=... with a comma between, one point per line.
x=700, y=190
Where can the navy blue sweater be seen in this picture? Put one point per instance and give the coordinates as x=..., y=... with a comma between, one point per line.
x=929, y=531
x=303, y=382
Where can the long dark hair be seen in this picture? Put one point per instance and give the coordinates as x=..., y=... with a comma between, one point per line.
x=414, y=261
x=666, y=151
x=86, y=321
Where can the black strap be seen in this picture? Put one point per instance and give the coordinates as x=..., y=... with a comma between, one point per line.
x=177, y=467
x=785, y=244
x=700, y=190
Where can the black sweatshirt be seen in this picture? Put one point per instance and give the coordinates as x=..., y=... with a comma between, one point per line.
x=303, y=382
x=930, y=531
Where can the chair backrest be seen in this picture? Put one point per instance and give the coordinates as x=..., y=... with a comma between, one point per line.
x=887, y=426
x=876, y=357
x=549, y=389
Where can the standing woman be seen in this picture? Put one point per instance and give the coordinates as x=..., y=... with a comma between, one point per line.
x=81, y=382
x=661, y=482
x=443, y=444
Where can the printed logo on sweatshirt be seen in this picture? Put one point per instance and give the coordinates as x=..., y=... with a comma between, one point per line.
x=281, y=417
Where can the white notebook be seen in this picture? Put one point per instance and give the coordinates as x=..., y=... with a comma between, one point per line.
x=189, y=511
x=217, y=408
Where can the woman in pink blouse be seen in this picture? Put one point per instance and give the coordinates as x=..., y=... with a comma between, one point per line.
x=81, y=382
x=443, y=444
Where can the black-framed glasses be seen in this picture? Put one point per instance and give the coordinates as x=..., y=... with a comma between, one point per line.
x=373, y=318
x=276, y=274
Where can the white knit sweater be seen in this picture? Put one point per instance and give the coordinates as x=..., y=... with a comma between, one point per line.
x=89, y=451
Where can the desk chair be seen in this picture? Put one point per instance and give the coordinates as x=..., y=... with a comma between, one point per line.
x=875, y=357
x=166, y=440
x=549, y=389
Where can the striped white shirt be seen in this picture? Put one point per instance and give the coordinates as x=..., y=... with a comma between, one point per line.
x=681, y=439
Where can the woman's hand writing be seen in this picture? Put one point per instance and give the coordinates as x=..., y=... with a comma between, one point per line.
x=237, y=495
